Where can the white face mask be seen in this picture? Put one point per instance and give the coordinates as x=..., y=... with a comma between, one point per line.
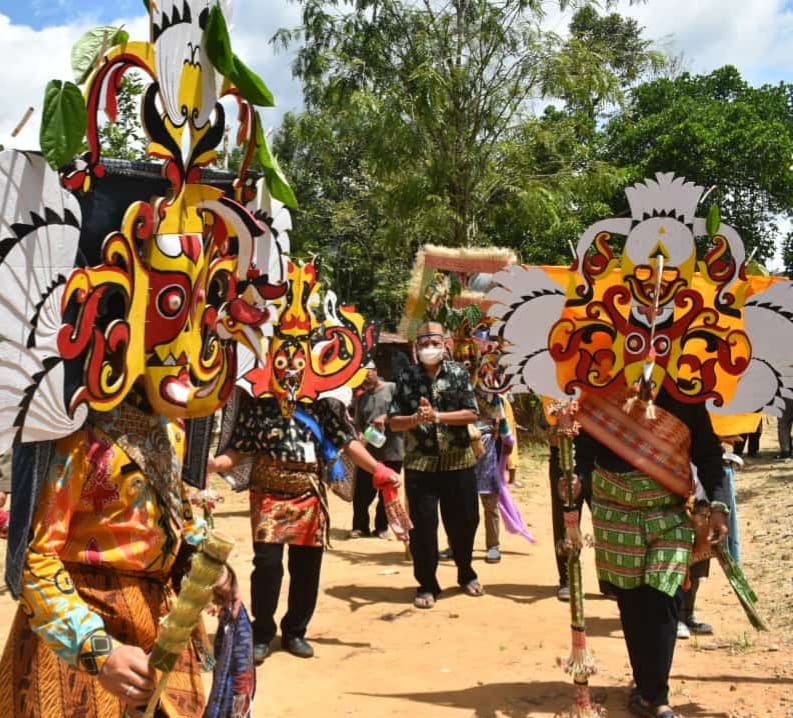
x=430, y=355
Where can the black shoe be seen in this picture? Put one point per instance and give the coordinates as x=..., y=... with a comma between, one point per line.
x=563, y=594
x=297, y=646
x=783, y=456
x=260, y=652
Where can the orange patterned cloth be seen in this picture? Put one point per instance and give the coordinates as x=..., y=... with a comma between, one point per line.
x=35, y=683
x=286, y=504
x=113, y=503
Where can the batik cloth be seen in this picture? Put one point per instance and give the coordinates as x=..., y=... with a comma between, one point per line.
x=436, y=447
x=234, y=679
x=287, y=495
x=287, y=503
x=35, y=683
x=112, y=500
x=642, y=533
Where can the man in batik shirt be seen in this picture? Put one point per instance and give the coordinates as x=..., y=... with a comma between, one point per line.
x=289, y=505
x=433, y=405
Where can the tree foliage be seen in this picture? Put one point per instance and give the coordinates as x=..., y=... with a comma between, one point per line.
x=718, y=131
x=421, y=126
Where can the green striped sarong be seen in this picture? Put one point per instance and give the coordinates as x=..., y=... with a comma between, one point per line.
x=642, y=533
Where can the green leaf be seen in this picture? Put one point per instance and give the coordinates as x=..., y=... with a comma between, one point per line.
x=276, y=182
x=63, y=122
x=713, y=222
x=251, y=86
x=86, y=50
x=146, y=5
x=218, y=43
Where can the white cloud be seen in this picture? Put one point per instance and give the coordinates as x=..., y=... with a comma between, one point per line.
x=34, y=57
x=753, y=36
x=711, y=33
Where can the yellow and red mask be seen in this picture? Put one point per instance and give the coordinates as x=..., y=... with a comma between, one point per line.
x=316, y=346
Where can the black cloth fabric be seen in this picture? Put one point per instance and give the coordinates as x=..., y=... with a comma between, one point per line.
x=369, y=406
x=706, y=451
x=362, y=498
x=649, y=621
x=455, y=492
x=268, y=572
x=262, y=429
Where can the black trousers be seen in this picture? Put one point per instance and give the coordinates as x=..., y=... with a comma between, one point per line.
x=649, y=622
x=363, y=497
x=268, y=572
x=455, y=492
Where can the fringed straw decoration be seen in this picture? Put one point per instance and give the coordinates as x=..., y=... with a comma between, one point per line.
x=194, y=596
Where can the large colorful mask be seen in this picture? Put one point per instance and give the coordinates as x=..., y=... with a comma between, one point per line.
x=648, y=318
x=180, y=276
x=317, y=345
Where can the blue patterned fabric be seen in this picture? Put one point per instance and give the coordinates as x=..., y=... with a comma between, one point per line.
x=234, y=678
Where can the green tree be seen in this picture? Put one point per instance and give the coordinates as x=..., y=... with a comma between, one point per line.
x=718, y=131
x=445, y=83
x=603, y=57
x=556, y=178
x=125, y=138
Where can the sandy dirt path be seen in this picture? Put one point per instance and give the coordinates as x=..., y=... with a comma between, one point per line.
x=496, y=656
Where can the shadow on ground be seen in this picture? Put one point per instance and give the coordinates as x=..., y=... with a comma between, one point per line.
x=524, y=700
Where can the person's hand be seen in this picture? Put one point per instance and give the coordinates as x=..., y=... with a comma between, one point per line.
x=128, y=675
x=226, y=592
x=562, y=488
x=512, y=476
x=718, y=527
x=396, y=482
x=379, y=422
x=425, y=413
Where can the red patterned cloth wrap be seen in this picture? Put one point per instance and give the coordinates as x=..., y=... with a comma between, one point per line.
x=285, y=503
x=398, y=519
x=658, y=448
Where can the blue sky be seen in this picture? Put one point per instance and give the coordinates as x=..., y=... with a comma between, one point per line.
x=39, y=14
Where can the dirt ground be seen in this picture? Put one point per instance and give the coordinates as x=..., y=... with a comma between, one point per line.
x=496, y=656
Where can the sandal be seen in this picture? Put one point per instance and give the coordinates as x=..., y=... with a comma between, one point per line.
x=424, y=600
x=474, y=588
x=638, y=707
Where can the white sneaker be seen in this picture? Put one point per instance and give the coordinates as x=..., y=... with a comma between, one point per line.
x=682, y=630
x=493, y=555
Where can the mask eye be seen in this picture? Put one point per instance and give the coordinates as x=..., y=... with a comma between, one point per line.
x=170, y=301
x=299, y=363
x=169, y=244
x=280, y=362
